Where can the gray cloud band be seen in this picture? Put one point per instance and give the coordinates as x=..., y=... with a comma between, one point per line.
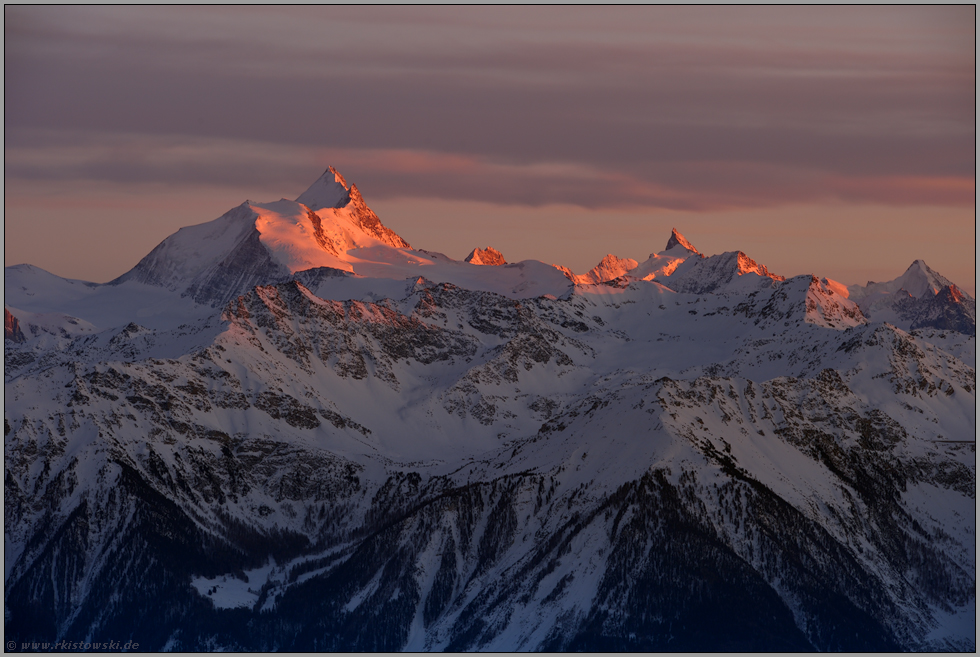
x=657, y=121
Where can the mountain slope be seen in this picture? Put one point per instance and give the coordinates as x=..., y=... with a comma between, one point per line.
x=609, y=268
x=417, y=453
x=919, y=298
x=674, y=258
x=728, y=272
x=363, y=498
x=260, y=242
x=919, y=280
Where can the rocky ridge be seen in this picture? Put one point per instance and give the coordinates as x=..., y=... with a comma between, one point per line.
x=487, y=256
x=703, y=457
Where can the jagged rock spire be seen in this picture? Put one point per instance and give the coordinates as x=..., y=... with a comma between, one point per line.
x=676, y=239
x=487, y=256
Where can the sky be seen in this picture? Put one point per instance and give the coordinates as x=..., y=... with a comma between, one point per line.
x=837, y=141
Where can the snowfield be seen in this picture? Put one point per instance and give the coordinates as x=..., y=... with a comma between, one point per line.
x=286, y=429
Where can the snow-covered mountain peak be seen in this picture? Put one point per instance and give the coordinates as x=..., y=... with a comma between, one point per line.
x=257, y=243
x=677, y=242
x=487, y=256
x=609, y=268
x=329, y=191
x=919, y=281
x=731, y=271
x=826, y=306
x=300, y=237
x=178, y=259
x=344, y=429
x=919, y=298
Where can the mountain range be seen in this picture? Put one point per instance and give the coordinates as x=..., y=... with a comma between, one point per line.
x=286, y=429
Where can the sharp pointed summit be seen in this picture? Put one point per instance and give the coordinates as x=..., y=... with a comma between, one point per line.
x=919, y=281
x=329, y=191
x=288, y=418
x=676, y=239
x=919, y=298
x=260, y=242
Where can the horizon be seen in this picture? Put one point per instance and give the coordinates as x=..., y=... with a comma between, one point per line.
x=828, y=141
x=583, y=271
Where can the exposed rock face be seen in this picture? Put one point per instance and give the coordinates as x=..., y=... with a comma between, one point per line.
x=693, y=454
x=487, y=256
x=554, y=484
x=11, y=328
x=678, y=240
x=369, y=222
x=950, y=309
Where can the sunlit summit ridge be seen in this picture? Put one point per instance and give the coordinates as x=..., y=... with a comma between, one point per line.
x=287, y=423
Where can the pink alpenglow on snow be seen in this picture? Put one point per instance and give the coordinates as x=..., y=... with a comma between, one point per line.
x=333, y=243
x=433, y=397
x=609, y=268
